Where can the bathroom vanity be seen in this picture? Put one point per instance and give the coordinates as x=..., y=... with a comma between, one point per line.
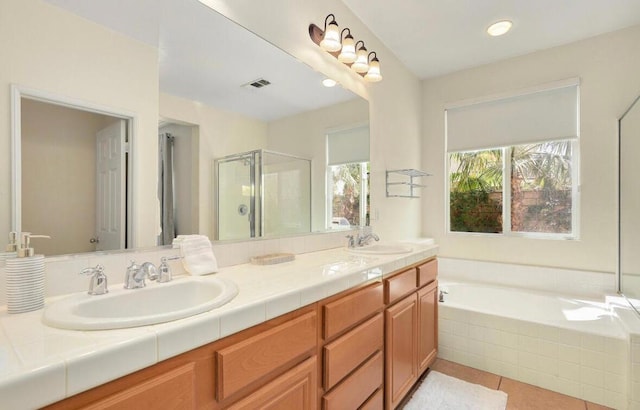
x=364, y=346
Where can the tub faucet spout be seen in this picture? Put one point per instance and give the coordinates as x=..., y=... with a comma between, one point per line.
x=441, y=296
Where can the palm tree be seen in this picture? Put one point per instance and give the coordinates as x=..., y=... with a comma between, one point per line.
x=544, y=168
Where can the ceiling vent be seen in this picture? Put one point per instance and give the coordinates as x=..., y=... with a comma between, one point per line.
x=259, y=83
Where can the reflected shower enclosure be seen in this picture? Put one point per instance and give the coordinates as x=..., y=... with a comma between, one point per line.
x=262, y=193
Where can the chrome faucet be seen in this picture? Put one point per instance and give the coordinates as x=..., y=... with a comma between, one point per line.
x=351, y=243
x=441, y=296
x=98, y=282
x=363, y=240
x=136, y=275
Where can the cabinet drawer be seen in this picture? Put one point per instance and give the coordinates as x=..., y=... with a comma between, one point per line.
x=375, y=402
x=357, y=388
x=427, y=272
x=243, y=363
x=351, y=309
x=174, y=389
x=400, y=285
x=342, y=356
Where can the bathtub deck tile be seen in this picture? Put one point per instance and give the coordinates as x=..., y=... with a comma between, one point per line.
x=526, y=396
x=468, y=374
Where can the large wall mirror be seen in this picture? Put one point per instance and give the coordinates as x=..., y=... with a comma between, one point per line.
x=629, y=203
x=223, y=92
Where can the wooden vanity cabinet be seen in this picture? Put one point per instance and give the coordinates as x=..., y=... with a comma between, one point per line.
x=410, y=328
x=352, y=349
x=276, y=359
x=362, y=349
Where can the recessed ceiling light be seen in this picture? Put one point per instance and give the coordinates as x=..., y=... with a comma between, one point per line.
x=329, y=82
x=499, y=28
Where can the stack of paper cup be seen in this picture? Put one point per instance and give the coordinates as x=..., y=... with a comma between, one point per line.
x=25, y=283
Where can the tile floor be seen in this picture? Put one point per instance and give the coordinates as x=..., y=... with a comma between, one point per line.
x=521, y=395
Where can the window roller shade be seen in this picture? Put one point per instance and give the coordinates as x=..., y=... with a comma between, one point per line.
x=348, y=146
x=540, y=116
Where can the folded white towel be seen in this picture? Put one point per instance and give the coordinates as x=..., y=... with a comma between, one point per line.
x=197, y=254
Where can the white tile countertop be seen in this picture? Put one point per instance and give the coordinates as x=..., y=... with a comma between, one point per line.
x=40, y=365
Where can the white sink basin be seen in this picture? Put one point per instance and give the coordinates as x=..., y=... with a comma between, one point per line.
x=382, y=249
x=156, y=303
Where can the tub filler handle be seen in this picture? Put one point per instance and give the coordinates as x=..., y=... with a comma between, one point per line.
x=441, y=296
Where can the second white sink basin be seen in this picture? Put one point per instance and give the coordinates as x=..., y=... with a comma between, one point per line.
x=156, y=303
x=382, y=249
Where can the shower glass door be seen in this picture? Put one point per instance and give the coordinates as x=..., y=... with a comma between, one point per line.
x=629, y=204
x=237, y=186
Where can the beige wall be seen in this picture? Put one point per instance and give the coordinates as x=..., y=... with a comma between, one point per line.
x=395, y=102
x=47, y=49
x=221, y=133
x=305, y=135
x=609, y=68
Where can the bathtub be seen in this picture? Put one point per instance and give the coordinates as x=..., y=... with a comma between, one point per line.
x=576, y=347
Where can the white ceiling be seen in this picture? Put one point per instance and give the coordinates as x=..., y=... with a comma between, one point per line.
x=196, y=65
x=431, y=38
x=435, y=37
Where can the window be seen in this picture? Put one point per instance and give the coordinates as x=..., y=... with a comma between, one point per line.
x=348, y=178
x=529, y=186
x=349, y=195
x=513, y=164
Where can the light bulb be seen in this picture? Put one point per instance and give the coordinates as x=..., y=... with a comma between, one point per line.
x=373, y=75
x=499, y=28
x=329, y=82
x=361, y=65
x=331, y=40
x=348, y=53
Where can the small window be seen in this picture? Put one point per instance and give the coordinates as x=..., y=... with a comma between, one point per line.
x=531, y=186
x=348, y=195
x=513, y=162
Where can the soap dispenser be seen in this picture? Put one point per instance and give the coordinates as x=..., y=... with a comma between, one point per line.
x=25, y=277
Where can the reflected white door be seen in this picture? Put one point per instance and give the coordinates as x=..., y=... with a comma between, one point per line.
x=110, y=187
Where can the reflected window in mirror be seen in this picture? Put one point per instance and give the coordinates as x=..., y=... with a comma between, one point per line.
x=348, y=195
x=348, y=178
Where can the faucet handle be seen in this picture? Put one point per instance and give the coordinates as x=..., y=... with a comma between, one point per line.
x=164, y=270
x=352, y=241
x=98, y=282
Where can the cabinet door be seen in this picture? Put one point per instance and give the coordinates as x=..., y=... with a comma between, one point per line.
x=296, y=389
x=401, y=349
x=427, y=326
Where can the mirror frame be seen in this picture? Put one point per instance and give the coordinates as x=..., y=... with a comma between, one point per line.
x=17, y=94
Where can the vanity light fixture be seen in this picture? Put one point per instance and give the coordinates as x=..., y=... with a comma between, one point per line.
x=499, y=28
x=361, y=65
x=331, y=39
x=343, y=46
x=373, y=74
x=348, y=52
